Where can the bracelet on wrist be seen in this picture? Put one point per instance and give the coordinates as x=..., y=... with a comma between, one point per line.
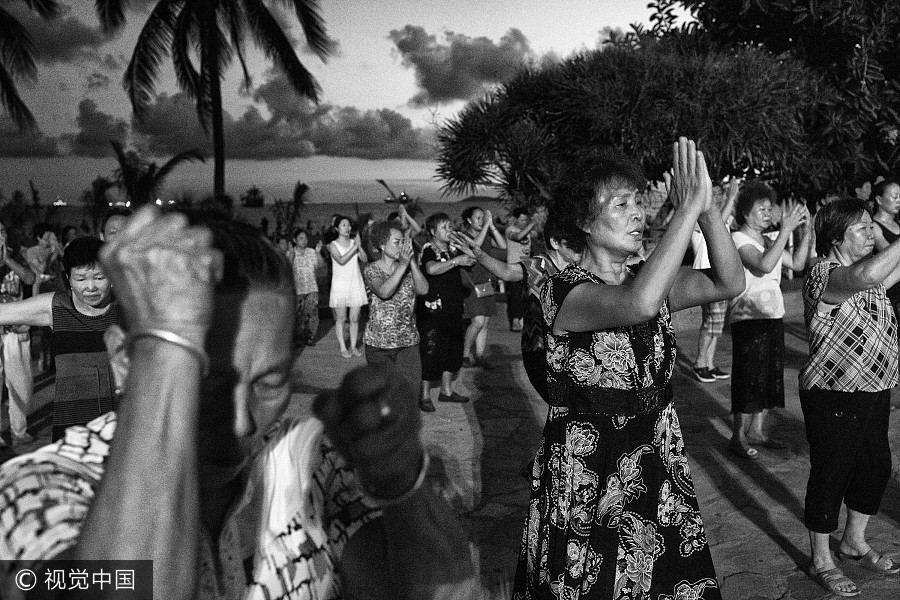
x=170, y=337
x=383, y=501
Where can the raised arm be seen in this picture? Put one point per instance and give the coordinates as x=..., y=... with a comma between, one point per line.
x=517, y=235
x=797, y=259
x=761, y=263
x=731, y=194
x=589, y=307
x=436, y=267
x=417, y=550
x=413, y=226
x=499, y=268
x=146, y=506
x=725, y=277
x=343, y=259
x=882, y=268
x=25, y=273
x=496, y=236
x=36, y=311
x=420, y=282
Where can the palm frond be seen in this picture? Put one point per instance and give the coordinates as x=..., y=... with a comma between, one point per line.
x=310, y=18
x=235, y=18
x=276, y=46
x=151, y=49
x=12, y=102
x=181, y=157
x=185, y=72
x=17, y=48
x=111, y=14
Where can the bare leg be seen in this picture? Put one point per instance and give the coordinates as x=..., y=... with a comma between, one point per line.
x=711, y=352
x=340, y=316
x=446, y=383
x=854, y=540
x=471, y=331
x=481, y=337
x=822, y=560
x=703, y=354
x=354, y=329
x=756, y=425
x=426, y=390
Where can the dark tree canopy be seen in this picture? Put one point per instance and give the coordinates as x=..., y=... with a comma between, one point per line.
x=748, y=110
x=855, y=46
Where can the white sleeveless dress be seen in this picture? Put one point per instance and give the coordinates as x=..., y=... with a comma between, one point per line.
x=347, y=287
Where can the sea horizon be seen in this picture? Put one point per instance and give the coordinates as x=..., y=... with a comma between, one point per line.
x=330, y=179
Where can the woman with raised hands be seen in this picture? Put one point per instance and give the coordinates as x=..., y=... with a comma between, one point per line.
x=613, y=512
x=756, y=314
x=845, y=389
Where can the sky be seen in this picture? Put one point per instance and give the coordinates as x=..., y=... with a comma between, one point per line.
x=398, y=69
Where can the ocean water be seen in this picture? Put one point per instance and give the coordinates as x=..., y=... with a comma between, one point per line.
x=330, y=179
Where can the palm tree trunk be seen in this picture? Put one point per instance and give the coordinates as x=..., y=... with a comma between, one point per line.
x=218, y=138
x=211, y=56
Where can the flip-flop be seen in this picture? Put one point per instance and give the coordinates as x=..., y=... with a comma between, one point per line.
x=830, y=579
x=741, y=451
x=771, y=443
x=872, y=561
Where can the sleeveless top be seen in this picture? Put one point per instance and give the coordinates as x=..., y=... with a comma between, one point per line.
x=84, y=380
x=893, y=292
x=618, y=371
x=536, y=270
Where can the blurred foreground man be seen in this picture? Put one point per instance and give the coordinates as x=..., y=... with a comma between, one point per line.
x=198, y=472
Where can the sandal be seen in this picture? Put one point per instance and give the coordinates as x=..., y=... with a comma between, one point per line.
x=830, y=579
x=742, y=451
x=872, y=561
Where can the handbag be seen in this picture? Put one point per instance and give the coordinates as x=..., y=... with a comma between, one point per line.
x=482, y=289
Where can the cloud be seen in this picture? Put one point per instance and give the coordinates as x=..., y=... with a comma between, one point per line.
x=170, y=125
x=461, y=68
x=96, y=130
x=64, y=39
x=16, y=143
x=342, y=131
x=295, y=128
x=97, y=81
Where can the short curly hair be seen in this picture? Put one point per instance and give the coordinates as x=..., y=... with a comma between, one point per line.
x=751, y=192
x=578, y=187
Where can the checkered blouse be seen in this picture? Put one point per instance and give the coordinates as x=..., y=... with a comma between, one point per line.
x=852, y=345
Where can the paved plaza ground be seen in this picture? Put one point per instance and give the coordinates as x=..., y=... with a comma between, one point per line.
x=752, y=509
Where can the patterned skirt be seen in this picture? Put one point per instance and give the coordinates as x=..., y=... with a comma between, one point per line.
x=613, y=513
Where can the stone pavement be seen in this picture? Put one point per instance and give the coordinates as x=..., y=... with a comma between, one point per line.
x=752, y=509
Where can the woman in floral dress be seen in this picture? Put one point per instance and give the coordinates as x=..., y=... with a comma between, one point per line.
x=613, y=513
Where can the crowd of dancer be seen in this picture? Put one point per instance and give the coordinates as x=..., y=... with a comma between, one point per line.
x=169, y=442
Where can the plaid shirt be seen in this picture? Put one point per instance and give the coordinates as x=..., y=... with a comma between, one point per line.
x=852, y=345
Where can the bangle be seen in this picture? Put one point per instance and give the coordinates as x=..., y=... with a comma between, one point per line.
x=420, y=479
x=176, y=340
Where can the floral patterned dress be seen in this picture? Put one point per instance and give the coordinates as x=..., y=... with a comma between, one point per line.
x=613, y=513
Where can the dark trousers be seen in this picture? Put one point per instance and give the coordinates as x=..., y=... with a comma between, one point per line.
x=515, y=300
x=406, y=360
x=849, y=454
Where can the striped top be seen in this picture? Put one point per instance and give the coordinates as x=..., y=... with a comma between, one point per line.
x=84, y=381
